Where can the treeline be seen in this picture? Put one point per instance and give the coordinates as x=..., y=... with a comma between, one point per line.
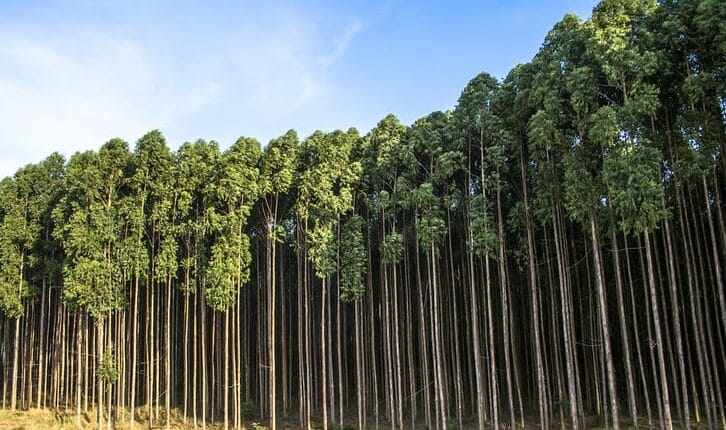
x=550, y=251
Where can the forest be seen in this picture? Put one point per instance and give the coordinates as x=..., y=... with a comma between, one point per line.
x=547, y=254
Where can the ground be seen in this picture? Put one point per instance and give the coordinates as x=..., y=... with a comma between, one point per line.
x=45, y=419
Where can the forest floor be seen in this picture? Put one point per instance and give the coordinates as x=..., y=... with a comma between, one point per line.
x=46, y=419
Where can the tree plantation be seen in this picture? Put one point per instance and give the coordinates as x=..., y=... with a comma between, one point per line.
x=549, y=253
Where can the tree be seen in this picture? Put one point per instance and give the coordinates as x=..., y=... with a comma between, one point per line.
x=228, y=270
x=277, y=168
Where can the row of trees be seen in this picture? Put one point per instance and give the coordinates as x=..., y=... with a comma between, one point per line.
x=551, y=250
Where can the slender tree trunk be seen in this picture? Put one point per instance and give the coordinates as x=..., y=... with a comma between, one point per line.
x=677, y=322
x=203, y=353
x=716, y=255
x=185, y=352
x=658, y=336
x=99, y=381
x=475, y=342
x=624, y=330
x=41, y=347
x=195, y=354
x=149, y=336
x=271, y=324
x=323, y=356
x=16, y=346
x=704, y=372
x=565, y=302
x=492, y=350
x=605, y=326
x=439, y=369
x=422, y=335
x=225, y=386
x=79, y=340
x=167, y=354
x=397, y=348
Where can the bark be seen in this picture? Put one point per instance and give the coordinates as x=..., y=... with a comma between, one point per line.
x=605, y=326
x=658, y=335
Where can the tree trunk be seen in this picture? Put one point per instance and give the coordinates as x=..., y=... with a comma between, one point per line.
x=605, y=326
x=658, y=336
x=624, y=330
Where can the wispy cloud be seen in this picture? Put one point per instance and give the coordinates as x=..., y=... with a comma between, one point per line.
x=57, y=99
x=342, y=43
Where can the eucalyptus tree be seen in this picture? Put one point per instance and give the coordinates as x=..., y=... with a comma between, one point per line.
x=25, y=204
x=199, y=164
x=151, y=185
x=166, y=267
x=483, y=137
x=277, y=168
x=471, y=250
x=700, y=38
x=550, y=132
x=236, y=192
x=134, y=264
x=47, y=255
x=383, y=160
x=514, y=105
x=325, y=194
x=440, y=165
x=89, y=216
x=584, y=194
x=155, y=185
x=388, y=168
x=620, y=45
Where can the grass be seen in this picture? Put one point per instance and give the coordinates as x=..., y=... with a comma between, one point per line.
x=45, y=419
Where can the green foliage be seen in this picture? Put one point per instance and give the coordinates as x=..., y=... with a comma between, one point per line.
x=235, y=194
x=26, y=202
x=89, y=215
x=11, y=302
x=250, y=411
x=239, y=183
x=383, y=155
x=430, y=228
x=326, y=182
x=221, y=289
x=277, y=164
x=392, y=248
x=583, y=188
x=484, y=239
x=321, y=250
x=107, y=370
x=473, y=119
x=92, y=284
x=632, y=175
x=352, y=260
x=617, y=40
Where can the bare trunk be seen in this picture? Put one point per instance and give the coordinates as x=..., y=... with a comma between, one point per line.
x=624, y=331
x=658, y=336
x=605, y=326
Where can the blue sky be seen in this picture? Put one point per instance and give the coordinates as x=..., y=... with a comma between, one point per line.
x=75, y=73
